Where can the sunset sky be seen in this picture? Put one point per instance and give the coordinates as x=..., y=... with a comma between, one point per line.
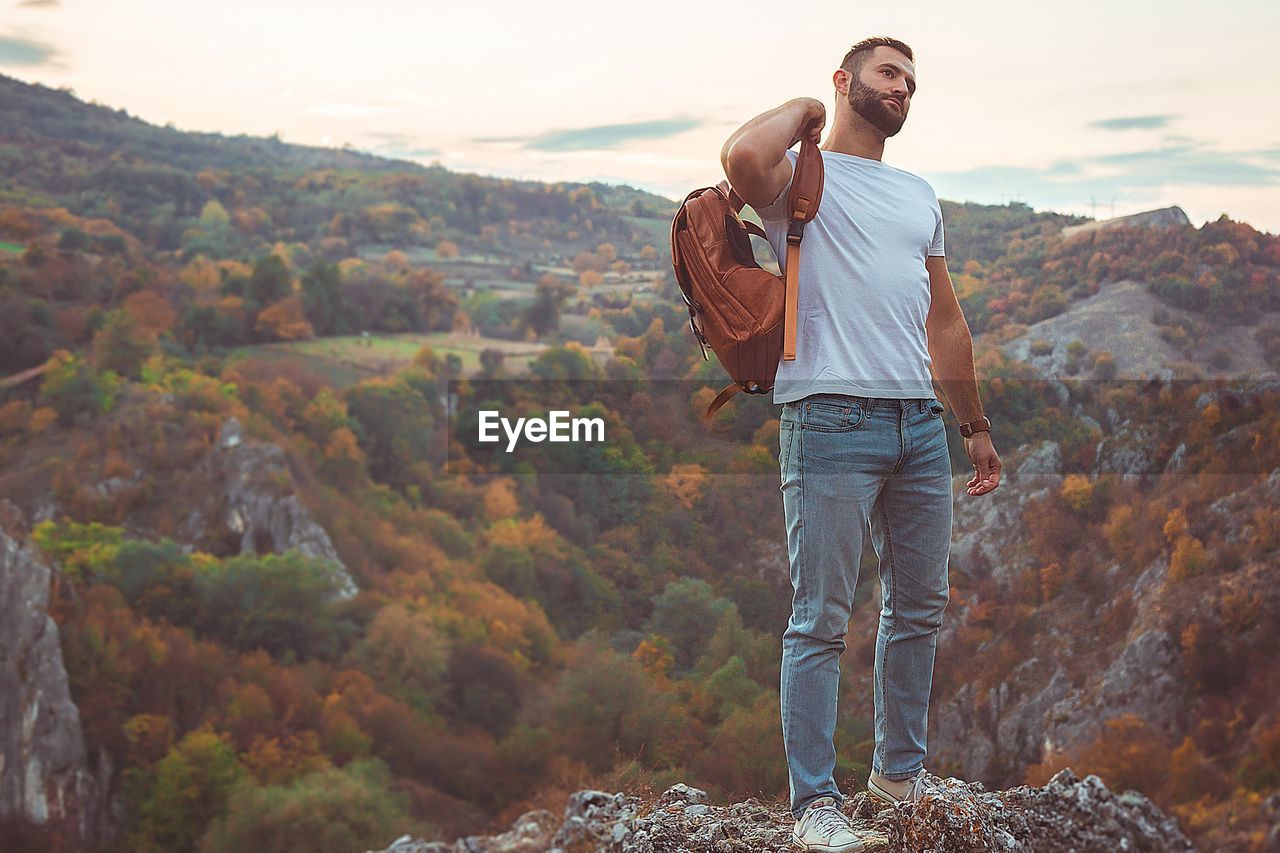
x=1086, y=107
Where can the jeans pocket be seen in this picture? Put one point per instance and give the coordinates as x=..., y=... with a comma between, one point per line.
x=832, y=415
x=935, y=408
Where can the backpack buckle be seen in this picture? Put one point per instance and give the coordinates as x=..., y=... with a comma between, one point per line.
x=795, y=231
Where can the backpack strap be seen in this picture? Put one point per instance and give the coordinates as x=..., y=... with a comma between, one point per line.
x=802, y=205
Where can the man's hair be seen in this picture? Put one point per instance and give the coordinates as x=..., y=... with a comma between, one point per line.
x=857, y=55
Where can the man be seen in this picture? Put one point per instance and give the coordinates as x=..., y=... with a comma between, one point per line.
x=862, y=440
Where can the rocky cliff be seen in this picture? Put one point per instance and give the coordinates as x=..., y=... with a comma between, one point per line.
x=1068, y=813
x=50, y=793
x=250, y=494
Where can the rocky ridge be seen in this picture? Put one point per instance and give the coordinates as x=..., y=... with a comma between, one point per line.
x=1068, y=813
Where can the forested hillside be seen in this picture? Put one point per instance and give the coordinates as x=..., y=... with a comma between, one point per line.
x=519, y=630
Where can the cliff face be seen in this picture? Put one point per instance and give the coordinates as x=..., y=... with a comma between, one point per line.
x=45, y=777
x=1069, y=813
x=251, y=496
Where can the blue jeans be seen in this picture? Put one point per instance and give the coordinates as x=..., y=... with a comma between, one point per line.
x=849, y=464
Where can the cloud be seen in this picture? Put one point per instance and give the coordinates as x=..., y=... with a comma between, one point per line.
x=21, y=52
x=1127, y=177
x=599, y=136
x=40, y=4
x=401, y=146
x=1133, y=123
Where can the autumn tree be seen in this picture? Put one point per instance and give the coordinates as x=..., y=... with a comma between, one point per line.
x=151, y=312
x=285, y=321
x=121, y=345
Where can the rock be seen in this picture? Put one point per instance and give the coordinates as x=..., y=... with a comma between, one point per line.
x=1158, y=219
x=1128, y=451
x=253, y=498
x=989, y=536
x=45, y=775
x=1066, y=814
x=1144, y=680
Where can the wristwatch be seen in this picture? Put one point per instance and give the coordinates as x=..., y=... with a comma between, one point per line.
x=982, y=423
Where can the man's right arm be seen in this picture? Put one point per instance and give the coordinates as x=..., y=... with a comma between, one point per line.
x=755, y=156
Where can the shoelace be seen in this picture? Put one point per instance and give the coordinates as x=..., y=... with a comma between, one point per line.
x=829, y=820
x=921, y=785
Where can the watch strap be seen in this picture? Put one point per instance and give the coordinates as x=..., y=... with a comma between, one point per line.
x=982, y=424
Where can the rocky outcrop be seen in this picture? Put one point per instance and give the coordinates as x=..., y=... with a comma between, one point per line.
x=1160, y=220
x=252, y=498
x=1066, y=814
x=989, y=535
x=1118, y=319
x=46, y=781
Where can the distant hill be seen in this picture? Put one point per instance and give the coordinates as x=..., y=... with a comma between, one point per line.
x=57, y=149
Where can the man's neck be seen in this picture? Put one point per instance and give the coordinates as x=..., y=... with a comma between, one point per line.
x=857, y=138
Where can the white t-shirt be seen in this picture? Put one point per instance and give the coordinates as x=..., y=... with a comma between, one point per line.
x=864, y=288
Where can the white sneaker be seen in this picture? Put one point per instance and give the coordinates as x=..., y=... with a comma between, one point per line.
x=904, y=791
x=824, y=827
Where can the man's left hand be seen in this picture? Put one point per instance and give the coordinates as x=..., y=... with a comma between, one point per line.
x=986, y=464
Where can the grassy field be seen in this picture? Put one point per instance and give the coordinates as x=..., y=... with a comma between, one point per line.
x=11, y=247
x=348, y=359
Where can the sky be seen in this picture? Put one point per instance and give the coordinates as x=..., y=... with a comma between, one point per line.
x=1093, y=108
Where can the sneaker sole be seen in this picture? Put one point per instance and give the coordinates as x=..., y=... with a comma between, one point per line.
x=858, y=846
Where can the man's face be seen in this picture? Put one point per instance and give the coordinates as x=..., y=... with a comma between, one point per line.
x=882, y=92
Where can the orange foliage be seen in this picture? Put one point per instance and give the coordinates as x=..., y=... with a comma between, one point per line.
x=686, y=483
x=1052, y=579
x=274, y=761
x=500, y=499
x=1127, y=755
x=285, y=320
x=1077, y=491
x=1188, y=558
x=654, y=655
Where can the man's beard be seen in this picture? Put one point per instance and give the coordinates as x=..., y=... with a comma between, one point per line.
x=869, y=104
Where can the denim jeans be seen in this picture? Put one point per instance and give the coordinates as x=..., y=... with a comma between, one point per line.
x=850, y=464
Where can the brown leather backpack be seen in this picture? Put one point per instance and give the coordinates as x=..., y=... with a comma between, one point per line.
x=746, y=314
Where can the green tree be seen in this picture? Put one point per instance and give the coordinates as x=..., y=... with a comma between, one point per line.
x=278, y=602
x=190, y=788
x=270, y=281
x=322, y=299
x=331, y=811
x=687, y=613
x=75, y=390
x=121, y=345
x=72, y=240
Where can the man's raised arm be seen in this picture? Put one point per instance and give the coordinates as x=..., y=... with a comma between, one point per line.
x=755, y=156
